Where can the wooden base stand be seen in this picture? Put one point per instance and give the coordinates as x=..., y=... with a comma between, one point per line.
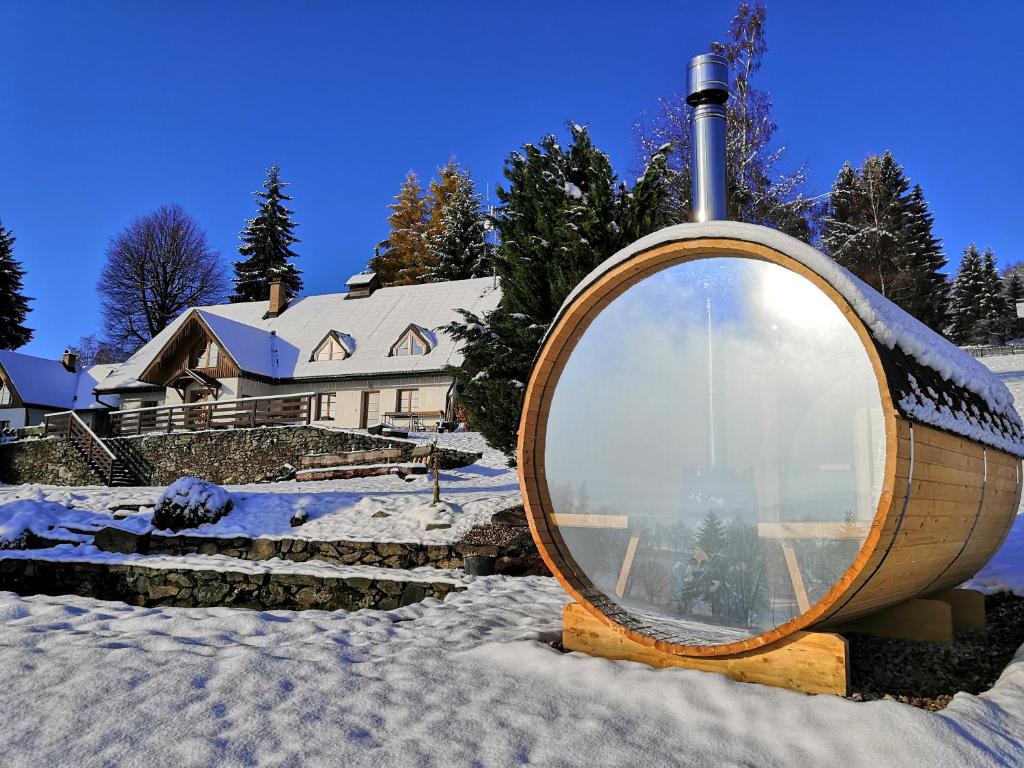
x=932, y=619
x=812, y=662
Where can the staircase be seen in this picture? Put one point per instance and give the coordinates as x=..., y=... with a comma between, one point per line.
x=108, y=468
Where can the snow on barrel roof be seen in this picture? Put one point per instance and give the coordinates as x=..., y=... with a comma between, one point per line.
x=282, y=346
x=932, y=380
x=40, y=381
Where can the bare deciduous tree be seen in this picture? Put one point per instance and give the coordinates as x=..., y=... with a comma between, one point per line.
x=157, y=267
x=94, y=351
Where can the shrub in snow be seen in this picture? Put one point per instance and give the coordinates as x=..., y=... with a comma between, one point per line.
x=189, y=502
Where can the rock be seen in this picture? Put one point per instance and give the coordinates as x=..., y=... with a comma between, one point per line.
x=514, y=517
x=437, y=526
x=380, y=513
x=189, y=502
x=116, y=540
x=301, y=517
x=281, y=474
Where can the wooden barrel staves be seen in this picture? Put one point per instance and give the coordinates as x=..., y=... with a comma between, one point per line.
x=727, y=439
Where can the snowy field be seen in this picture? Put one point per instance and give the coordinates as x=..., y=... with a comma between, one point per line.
x=469, y=681
x=383, y=508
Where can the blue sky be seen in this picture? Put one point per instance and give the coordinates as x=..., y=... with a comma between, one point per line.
x=110, y=109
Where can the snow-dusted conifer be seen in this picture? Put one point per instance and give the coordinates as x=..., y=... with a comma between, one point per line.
x=880, y=229
x=458, y=228
x=266, y=247
x=966, y=307
x=13, y=303
x=562, y=214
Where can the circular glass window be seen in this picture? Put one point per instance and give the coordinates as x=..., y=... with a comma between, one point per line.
x=715, y=450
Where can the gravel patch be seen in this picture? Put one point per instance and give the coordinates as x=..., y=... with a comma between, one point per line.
x=927, y=675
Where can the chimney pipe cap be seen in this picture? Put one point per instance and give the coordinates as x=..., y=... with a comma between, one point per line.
x=707, y=80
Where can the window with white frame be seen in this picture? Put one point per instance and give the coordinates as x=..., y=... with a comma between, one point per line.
x=325, y=405
x=6, y=398
x=409, y=344
x=331, y=349
x=408, y=400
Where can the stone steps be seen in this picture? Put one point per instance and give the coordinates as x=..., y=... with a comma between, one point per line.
x=221, y=583
x=350, y=472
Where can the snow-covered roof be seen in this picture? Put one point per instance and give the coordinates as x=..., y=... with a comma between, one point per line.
x=362, y=278
x=282, y=347
x=39, y=381
x=932, y=381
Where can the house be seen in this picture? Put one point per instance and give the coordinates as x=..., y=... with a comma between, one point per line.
x=31, y=387
x=367, y=355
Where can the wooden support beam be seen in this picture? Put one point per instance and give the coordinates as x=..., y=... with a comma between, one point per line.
x=967, y=605
x=590, y=521
x=798, y=580
x=811, y=662
x=921, y=620
x=627, y=566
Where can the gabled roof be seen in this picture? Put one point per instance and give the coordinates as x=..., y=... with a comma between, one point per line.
x=39, y=381
x=427, y=336
x=346, y=342
x=282, y=347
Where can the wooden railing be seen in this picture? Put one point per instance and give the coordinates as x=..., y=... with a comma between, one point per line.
x=277, y=410
x=70, y=426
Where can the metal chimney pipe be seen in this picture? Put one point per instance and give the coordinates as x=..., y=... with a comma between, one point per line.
x=707, y=91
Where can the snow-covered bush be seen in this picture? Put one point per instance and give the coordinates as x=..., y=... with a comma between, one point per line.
x=189, y=502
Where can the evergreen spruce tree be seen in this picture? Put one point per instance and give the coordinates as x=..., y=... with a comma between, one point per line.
x=1013, y=287
x=996, y=311
x=927, y=294
x=966, y=306
x=266, y=247
x=881, y=230
x=458, y=228
x=561, y=215
x=13, y=303
x=405, y=257
x=711, y=534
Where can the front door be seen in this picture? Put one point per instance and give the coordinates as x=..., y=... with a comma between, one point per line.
x=371, y=409
x=197, y=418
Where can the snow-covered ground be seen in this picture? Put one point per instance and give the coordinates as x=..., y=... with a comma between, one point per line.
x=383, y=508
x=466, y=682
x=469, y=681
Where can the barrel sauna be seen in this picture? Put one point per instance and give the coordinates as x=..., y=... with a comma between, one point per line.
x=727, y=438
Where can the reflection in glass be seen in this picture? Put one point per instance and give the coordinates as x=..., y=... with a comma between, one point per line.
x=715, y=449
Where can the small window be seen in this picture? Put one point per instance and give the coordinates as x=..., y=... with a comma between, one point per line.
x=408, y=400
x=331, y=350
x=325, y=406
x=409, y=344
x=5, y=394
x=206, y=355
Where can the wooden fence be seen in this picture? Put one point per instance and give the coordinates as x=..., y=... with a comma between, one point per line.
x=246, y=412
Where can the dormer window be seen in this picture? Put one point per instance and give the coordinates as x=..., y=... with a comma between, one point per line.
x=206, y=355
x=334, y=346
x=415, y=341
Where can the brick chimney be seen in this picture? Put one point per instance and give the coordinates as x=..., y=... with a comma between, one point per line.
x=69, y=360
x=278, y=299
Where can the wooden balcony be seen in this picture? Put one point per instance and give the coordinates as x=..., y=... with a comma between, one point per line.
x=246, y=412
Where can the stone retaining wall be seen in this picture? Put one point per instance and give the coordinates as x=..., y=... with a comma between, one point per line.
x=52, y=461
x=382, y=554
x=236, y=456
x=187, y=588
x=228, y=456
